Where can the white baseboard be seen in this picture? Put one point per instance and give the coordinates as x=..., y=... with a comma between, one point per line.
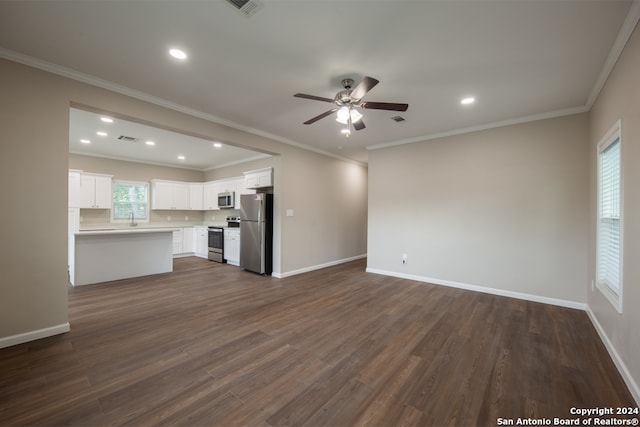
x=34, y=335
x=317, y=267
x=622, y=367
x=483, y=289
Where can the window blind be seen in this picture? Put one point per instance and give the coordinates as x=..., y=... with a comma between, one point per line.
x=609, y=249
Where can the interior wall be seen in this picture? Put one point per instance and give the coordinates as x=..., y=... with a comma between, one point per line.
x=34, y=119
x=237, y=170
x=324, y=209
x=34, y=114
x=620, y=99
x=502, y=209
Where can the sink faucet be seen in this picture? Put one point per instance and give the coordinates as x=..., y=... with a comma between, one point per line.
x=133, y=222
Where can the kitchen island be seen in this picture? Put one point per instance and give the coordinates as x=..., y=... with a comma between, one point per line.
x=106, y=255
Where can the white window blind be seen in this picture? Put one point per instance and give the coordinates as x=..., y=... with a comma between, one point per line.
x=609, y=250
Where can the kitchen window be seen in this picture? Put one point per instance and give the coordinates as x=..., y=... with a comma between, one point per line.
x=609, y=233
x=130, y=197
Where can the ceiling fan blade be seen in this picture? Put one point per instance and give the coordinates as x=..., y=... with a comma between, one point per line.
x=320, y=116
x=363, y=87
x=315, y=98
x=385, y=106
x=359, y=125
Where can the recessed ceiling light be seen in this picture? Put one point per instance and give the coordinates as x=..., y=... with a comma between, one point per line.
x=467, y=101
x=106, y=119
x=85, y=141
x=101, y=133
x=150, y=143
x=217, y=144
x=181, y=157
x=177, y=53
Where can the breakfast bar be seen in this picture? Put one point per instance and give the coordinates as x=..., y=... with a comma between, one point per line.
x=106, y=255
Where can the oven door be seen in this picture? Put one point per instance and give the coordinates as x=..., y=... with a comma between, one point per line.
x=216, y=244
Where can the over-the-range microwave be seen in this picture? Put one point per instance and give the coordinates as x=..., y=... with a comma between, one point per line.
x=226, y=199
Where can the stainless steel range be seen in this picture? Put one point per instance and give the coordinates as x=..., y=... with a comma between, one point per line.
x=216, y=244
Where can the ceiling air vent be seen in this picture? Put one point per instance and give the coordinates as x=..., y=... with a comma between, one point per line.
x=397, y=119
x=247, y=7
x=126, y=138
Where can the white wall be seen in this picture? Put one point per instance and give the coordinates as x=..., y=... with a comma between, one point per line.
x=620, y=99
x=504, y=209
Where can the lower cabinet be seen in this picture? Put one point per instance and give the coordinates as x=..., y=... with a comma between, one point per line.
x=232, y=246
x=184, y=241
x=202, y=242
x=177, y=242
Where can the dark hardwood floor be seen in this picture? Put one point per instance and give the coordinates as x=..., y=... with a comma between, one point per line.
x=212, y=345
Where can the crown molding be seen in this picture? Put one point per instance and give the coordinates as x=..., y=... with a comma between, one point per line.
x=623, y=37
x=493, y=125
x=628, y=26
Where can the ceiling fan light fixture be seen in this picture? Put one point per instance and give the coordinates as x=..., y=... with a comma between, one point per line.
x=355, y=115
x=342, y=116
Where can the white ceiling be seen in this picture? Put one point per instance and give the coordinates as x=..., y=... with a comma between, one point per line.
x=519, y=58
x=198, y=153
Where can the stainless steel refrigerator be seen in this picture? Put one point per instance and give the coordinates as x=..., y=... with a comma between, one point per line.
x=256, y=232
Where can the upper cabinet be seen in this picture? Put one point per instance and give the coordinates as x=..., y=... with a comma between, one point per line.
x=170, y=195
x=259, y=178
x=74, y=188
x=241, y=189
x=196, y=196
x=95, y=191
x=210, y=196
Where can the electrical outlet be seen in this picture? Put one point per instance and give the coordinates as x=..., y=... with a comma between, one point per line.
x=404, y=259
x=168, y=217
x=186, y=217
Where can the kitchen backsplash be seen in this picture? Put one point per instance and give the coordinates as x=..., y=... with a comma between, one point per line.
x=92, y=218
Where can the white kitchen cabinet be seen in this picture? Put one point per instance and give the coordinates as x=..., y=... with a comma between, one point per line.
x=95, y=191
x=210, y=196
x=177, y=241
x=74, y=188
x=241, y=188
x=196, y=196
x=188, y=240
x=229, y=185
x=259, y=178
x=74, y=226
x=184, y=241
x=170, y=195
x=232, y=245
x=202, y=242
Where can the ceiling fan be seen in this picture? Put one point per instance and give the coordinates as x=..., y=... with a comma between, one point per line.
x=347, y=102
